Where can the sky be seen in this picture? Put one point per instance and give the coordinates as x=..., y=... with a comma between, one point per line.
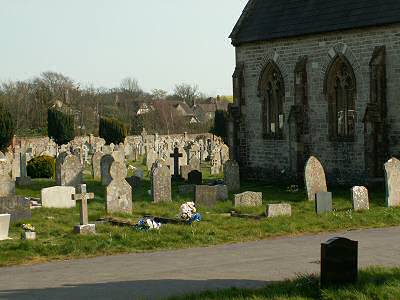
x=159, y=42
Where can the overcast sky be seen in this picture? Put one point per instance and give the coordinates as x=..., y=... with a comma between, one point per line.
x=159, y=42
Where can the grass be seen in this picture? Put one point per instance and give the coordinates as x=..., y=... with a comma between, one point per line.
x=56, y=240
x=373, y=283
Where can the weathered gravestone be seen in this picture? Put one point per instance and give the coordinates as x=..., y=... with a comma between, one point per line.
x=23, y=179
x=222, y=192
x=323, y=202
x=339, y=262
x=96, y=167
x=161, y=184
x=195, y=177
x=7, y=185
x=360, y=198
x=206, y=195
x=194, y=163
x=314, y=178
x=105, y=164
x=18, y=207
x=278, y=210
x=118, y=192
x=84, y=227
x=58, y=197
x=185, y=170
x=68, y=170
x=134, y=181
x=151, y=157
x=392, y=174
x=251, y=199
x=4, y=226
x=119, y=155
x=232, y=176
x=186, y=189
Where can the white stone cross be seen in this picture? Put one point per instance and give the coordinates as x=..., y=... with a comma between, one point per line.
x=83, y=197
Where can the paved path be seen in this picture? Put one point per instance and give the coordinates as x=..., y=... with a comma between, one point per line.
x=162, y=274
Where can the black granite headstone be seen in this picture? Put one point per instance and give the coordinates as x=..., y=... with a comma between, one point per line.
x=339, y=262
x=18, y=207
x=323, y=202
x=195, y=177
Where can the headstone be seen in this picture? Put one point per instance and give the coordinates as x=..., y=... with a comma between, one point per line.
x=392, y=174
x=134, y=181
x=315, y=178
x=339, y=262
x=186, y=189
x=248, y=199
x=206, y=195
x=105, y=164
x=278, y=210
x=4, y=226
x=194, y=163
x=176, y=155
x=84, y=227
x=118, y=192
x=7, y=185
x=222, y=192
x=360, y=198
x=23, y=179
x=18, y=207
x=151, y=157
x=58, y=197
x=161, y=184
x=68, y=170
x=232, y=176
x=96, y=169
x=323, y=202
x=195, y=177
x=185, y=170
x=139, y=173
x=119, y=155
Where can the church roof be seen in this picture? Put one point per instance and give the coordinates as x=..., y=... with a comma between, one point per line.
x=263, y=20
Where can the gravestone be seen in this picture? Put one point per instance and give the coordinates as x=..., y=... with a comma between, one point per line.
x=194, y=163
x=278, y=210
x=7, y=185
x=105, y=164
x=18, y=207
x=151, y=157
x=392, y=174
x=360, y=198
x=222, y=192
x=84, y=227
x=4, y=226
x=323, y=202
x=119, y=155
x=232, y=176
x=252, y=199
x=195, y=177
x=24, y=179
x=58, y=197
x=185, y=170
x=315, y=179
x=186, y=189
x=96, y=167
x=118, y=192
x=206, y=195
x=134, y=181
x=339, y=262
x=161, y=184
x=16, y=163
x=176, y=155
x=68, y=170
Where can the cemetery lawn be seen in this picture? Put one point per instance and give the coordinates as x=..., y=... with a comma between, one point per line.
x=56, y=240
x=374, y=283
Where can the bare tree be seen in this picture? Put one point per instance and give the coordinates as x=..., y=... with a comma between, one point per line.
x=131, y=86
x=158, y=94
x=186, y=92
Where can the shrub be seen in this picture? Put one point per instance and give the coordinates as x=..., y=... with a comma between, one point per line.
x=42, y=167
x=137, y=124
x=7, y=128
x=112, y=131
x=60, y=126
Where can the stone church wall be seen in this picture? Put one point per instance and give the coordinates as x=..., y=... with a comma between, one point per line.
x=344, y=162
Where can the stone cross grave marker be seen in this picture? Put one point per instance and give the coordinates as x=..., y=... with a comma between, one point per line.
x=339, y=262
x=83, y=197
x=176, y=155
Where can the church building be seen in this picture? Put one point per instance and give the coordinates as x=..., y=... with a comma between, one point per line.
x=316, y=77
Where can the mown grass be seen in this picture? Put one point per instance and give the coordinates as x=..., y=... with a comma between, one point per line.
x=56, y=240
x=374, y=283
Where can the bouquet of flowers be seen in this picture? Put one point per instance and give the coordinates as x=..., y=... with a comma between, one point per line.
x=28, y=228
x=188, y=212
x=293, y=189
x=147, y=224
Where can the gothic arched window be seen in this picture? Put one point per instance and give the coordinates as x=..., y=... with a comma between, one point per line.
x=272, y=93
x=341, y=91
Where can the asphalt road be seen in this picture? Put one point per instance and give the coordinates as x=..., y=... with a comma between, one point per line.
x=163, y=274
